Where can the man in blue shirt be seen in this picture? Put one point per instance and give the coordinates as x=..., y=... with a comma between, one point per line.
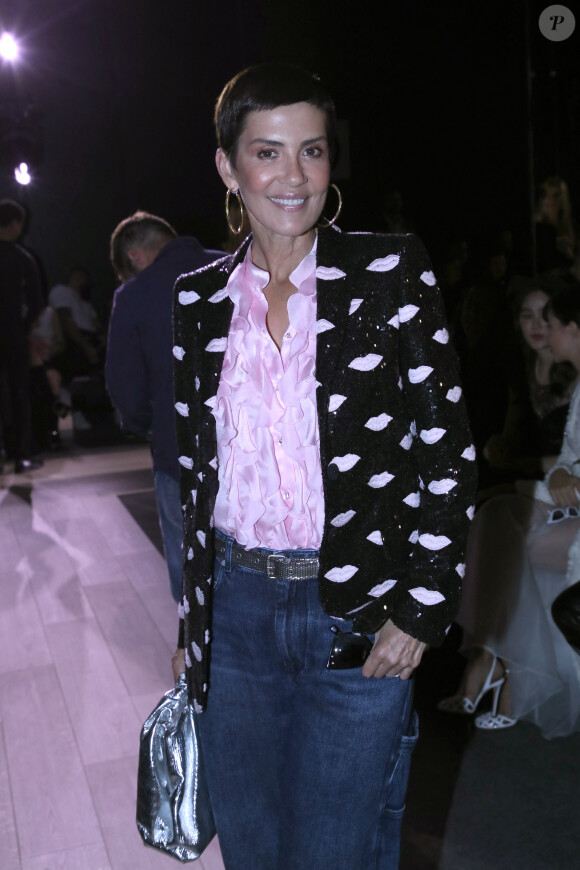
x=148, y=257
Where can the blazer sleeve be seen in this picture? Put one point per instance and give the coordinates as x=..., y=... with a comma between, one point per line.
x=184, y=379
x=428, y=598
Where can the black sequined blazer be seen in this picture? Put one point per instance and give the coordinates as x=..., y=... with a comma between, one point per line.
x=397, y=458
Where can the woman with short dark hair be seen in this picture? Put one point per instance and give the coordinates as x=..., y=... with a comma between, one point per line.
x=327, y=479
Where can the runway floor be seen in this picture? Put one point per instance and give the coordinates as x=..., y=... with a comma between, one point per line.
x=87, y=628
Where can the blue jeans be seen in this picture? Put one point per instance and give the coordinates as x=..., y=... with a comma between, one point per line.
x=307, y=766
x=171, y=525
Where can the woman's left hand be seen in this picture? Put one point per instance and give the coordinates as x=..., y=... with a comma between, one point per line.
x=394, y=653
x=564, y=488
x=178, y=663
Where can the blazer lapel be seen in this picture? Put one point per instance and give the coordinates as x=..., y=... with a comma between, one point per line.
x=215, y=325
x=334, y=294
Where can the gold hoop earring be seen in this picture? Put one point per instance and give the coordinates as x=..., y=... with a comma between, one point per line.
x=328, y=223
x=235, y=230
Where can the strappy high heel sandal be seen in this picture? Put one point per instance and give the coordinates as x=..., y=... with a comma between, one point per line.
x=492, y=720
x=465, y=706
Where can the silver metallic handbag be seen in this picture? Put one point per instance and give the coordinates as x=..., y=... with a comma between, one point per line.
x=173, y=807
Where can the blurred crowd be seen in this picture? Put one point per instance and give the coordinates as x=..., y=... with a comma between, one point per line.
x=516, y=396
x=51, y=345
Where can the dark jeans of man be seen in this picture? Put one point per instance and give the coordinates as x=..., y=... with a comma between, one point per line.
x=171, y=525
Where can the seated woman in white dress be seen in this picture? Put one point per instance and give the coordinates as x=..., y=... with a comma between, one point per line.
x=521, y=555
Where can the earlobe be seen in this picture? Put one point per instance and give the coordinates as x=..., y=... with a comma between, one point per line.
x=224, y=168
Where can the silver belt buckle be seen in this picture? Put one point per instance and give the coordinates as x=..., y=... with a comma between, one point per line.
x=271, y=566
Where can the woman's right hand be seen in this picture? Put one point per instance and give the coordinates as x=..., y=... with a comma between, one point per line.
x=178, y=663
x=564, y=488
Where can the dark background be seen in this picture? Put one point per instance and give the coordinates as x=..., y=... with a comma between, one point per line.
x=112, y=101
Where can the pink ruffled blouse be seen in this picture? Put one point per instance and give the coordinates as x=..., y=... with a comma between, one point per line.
x=270, y=478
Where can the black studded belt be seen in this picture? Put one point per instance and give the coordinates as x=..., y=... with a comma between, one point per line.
x=275, y=566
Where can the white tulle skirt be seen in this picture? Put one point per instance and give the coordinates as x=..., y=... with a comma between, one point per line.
x=516, y=566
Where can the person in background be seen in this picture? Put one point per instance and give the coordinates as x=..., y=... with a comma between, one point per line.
x=327, y=474
x=83, y=334
x=452, y=278
x=20, y=304
x=148, y=257
x=393, y=219
x=46, y=342
x=480, y=340
x=539, y=391
x=522, y=553
x=555, y=236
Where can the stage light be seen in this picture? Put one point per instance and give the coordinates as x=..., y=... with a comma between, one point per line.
x=8, y=47
x=22, y=174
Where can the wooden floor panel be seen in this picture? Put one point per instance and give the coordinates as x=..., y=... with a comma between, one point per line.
x=142, y=655
x=9, y=544
x=147, y=573
x=103, y=717
x=114, y=784
x=92, y=857
x=53, y=807
x=114, y=788
x=22, y=638
x=117, y=527
x=9, y=851
x=106, y=569
x=57, y=589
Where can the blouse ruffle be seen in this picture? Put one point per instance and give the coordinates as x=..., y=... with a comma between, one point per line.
x=266, y=418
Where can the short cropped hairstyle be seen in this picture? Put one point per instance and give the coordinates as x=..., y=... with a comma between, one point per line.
x=11, y=211
x=264, y=87
x=141, y=230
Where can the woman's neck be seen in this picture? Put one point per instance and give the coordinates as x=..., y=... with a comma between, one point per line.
x=280, y=255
